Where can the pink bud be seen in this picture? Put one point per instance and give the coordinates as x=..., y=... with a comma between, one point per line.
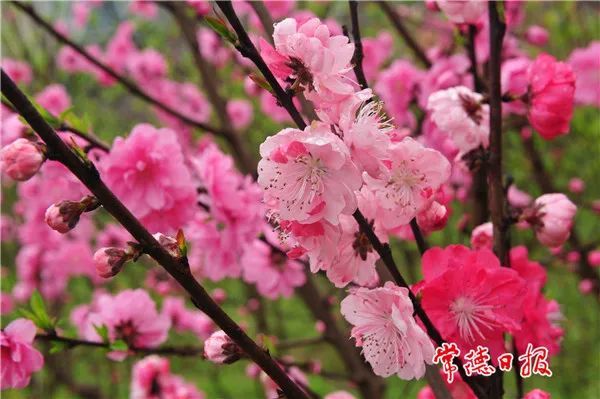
x=433, y=218
x=594, y=258
x=537, y=394
x=553, y=219
x=168, y=243
x=21, y=159
x=537, y=35
x=483, y=236
x=573, y=257
x=109, y=261
x=219, y=348
x=320, y=326
x=64, y=216
x=219, y=295
x=586, y=286
x=576, y=185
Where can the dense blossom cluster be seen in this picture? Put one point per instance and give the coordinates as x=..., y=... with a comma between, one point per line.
x=403, y=156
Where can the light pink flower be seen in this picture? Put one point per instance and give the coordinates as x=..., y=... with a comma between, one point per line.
x=21, y=159
x=308, y=175
x=483, y=236
x=537, y=35
x=211, y=46
x=470, y=298
x=147, y=66
x=411, y=177
x=121, y=46
x=518, y=198
x=18, y=71
x=184, y=319
x=445, y=73
x=240, y=113
x=537, y=394
x=339, y=395
x=54, y=98
x=219, y=348
x=586, y=65
x=397, y=87
x=514, y=82
x=460, y=112
x=11, y=128
x=551, y=93
x=553, y=219
x=463, y=11
x=273, y=273
x=147, y=171
x=70, y=61
x=110, y=261
x=391, y=340
x=19, y=358
x=81, y=12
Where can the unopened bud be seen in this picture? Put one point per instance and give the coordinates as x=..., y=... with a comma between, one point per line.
x=110, y=260
x=168, y=243
x=64, y=216
x=21, y=159
x=219, y=348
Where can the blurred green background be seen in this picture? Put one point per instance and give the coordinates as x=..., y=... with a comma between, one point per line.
x=112, y=112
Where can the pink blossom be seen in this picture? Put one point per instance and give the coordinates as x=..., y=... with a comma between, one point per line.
x=518, y=198
x=339, y=395
x=19, y=358
x=109, y=261
x=143, y=8
x=6, y=303
x=151, y=378
x=458, y=389
x=586, y=286
x=383, y=319
x=147, y=66
x=397, y=87
x=54, y=98
x=219, y=348
x=576, y=185
x=21, y=159
x=445, y=73
x=553, y=219
x=411, y=177
x=202, y=7
x=272, y=272
x=240, y=112
x=272, y=389
x=470, y=298
x=551, y=93
x=483, y=236
x=11, y=128
x=147, y=171
x=376, y=51
x=586, y=65
x=461, y=113
x=70, y=60
x=121, y=46
x=18, y=71
x=211, y=46
x=463, y=11
x=308, y=175
x=514, y=83
x=537, y=394
x=433, y=218
x=81, y=12
x=184, y=319
x=537, y=35
x=113, y=235
x=593, y=258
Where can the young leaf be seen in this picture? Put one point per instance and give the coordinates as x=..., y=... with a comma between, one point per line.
x=219, y=26
x=102, y=331
x=119, y=345
x=58, y=346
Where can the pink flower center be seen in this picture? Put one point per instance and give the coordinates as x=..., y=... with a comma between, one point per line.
x=404, y=182
x=470, y=315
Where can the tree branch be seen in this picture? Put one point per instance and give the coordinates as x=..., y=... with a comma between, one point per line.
x=410, y=41
x=264, y=16
x=89, y=176
x=357, y=58
x=129, y=85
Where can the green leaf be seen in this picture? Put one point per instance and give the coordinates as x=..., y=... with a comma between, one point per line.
x=37, y=304
x=28, y=314
x=221, y=28
x=102, y=331
x=58, y=346
x=48, y=117
x=119, y=345
x=259, y=80
x=69, y=117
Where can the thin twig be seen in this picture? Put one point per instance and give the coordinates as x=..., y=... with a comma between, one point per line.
x=264, y=16
x=129, y=85
x=88, y=175
x=357, y=58
x=410, y=41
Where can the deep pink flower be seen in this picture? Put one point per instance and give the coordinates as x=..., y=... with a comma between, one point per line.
x=593, y=258
x=470, y=298
x=18, y=71
x=54, y=98
x=273, y=273
x=586, y=65
x=202, y=7
x=458, y=389
x=551, y=93
x=576, y=185
x=21, y=159
x=376, y=51
x=553, y=218
x=463, y=11
x=397, y=87
x=308, y=175
x=411, y=177
x=391, y=340
x=537, y=394
x=19, y=358
x=482, y=236
x=147, y=171
x=460, y=112
x=151, y=378
x=184, y=319
x=537, y=35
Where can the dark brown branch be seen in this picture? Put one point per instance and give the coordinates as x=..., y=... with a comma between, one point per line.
x=357, y=58
x=165, y=350
x=410, y=41
x=129, y=85
x=478, y=83
x=497, y=192
x=264, y=16
x=88, y=175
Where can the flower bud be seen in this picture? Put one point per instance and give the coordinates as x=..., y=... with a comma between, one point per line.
x=168, y=243
x=576, y=185
x=64, y=215
x=21, y=159
x=483, y=236
x=219, y=348
x=433, y=218
x=552, y=218
x=110, y=260
x=593, y=258
x=537, y=35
